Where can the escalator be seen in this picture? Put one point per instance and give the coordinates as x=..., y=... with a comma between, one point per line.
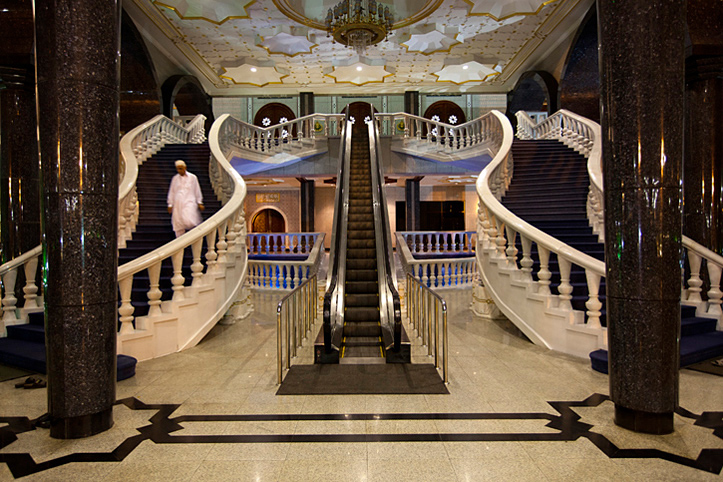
x=362, y=315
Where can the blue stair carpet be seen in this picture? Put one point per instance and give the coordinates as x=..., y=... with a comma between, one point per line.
x=154, y=223
x=24, y=347
x=549, y=190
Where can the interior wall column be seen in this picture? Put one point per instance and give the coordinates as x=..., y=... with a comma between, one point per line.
x=19, y=167
x=77, y=44
x=411, y=102
x=703, y=164
x=412, y=200
x=642, y=114
x=307, y=204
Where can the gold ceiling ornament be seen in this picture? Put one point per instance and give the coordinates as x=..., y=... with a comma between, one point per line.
x=359, y=24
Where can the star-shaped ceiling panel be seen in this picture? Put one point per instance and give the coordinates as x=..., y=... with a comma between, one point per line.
x=220, y=47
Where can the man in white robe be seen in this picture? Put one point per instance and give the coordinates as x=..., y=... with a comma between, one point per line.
x=185, y=201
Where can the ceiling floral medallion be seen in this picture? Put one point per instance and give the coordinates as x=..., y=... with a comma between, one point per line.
x=503, y=10
x=214, y=11
x=431, y=38
x=286, y=40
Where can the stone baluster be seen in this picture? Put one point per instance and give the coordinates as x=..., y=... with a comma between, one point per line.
x=694, y=282
x=231, y=235
x=30, y=289
x=526, y=261
x=511, y=250
x=714, y=294
x=211, y=251
x=154, y=293
x=543, y=275
x=565, y=288
x=126, y=309
x=221, y=245
x=500, y=240
x=593, y=303
x=178, y=280
x=197, y=266
x=9, y=300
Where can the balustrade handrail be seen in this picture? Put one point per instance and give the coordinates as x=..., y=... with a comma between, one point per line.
x=508, y=219
x=302, y=269
x=464, y=272
x=21, y=260
x=297, y=325
x=467, y=238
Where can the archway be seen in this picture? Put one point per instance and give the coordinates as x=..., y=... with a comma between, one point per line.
x=447, y=111
x=187, y=94
x=536, y=91
x=359, y=111
x=268, y=221
x=273, y=113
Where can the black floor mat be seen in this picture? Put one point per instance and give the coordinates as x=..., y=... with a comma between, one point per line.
x=708, y=366
x=382, y=379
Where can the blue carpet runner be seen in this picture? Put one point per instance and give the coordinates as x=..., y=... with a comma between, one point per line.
x=549, y=190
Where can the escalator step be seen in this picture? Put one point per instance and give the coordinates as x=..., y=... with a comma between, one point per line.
x=362, y=328
x=367, y=300
x=361, y=253
x=353, y=314
x=361, y=264
x=361, y=287
x=361, y=243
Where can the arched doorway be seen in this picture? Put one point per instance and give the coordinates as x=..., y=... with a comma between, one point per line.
x=271, y=114
x=359, y=111
x=446, y=111
x=268, y=221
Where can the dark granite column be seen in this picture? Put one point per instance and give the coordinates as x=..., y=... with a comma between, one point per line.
x=411, y=198
x=411, y=102
x=306, y=103
x=77, y=44
x=642, y=113
x=703, y=163
x=307, y=204
x=19, y=168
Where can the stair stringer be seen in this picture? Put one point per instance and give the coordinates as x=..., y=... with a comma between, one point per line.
x=182, y=324
x=536, y=315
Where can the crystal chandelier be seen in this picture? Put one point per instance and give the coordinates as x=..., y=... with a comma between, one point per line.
x=359, y=24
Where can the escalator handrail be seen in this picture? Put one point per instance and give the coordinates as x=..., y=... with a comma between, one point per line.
x=333, y=310
x=391, y=315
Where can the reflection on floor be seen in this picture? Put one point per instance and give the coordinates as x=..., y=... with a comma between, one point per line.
x=514, y=412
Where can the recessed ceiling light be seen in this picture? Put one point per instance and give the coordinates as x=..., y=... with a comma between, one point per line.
x=465, y=67
x=359, y=68
x=253, y=69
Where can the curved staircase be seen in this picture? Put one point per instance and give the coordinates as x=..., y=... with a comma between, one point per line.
x=154, y=223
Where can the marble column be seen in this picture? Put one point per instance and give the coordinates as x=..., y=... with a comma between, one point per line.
x=307, y=204
x=19, y=166
x=411, y=102
x=642, y=114
x=411, y=198
x=78, y=96
x=703, y=163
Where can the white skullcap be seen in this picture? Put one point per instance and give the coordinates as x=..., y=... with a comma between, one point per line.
x=180, y=163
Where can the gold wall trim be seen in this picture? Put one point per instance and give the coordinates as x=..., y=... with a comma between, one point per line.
x=516, y=14
x=232, y=17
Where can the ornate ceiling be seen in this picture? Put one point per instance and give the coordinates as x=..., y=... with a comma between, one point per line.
x=261, y=47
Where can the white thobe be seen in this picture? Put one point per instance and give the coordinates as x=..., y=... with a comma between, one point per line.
x=184, y=196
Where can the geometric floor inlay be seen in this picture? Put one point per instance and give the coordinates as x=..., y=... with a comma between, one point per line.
x=565, y=425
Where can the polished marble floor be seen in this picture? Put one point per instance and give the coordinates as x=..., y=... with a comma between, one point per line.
x=211, y=414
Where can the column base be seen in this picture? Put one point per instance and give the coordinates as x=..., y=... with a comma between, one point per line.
x=83, y=426
x=644, y=422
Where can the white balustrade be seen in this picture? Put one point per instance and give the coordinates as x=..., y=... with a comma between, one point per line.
x=12, y=313
x=283, y=270
x=434, y=272
x=288, y=137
